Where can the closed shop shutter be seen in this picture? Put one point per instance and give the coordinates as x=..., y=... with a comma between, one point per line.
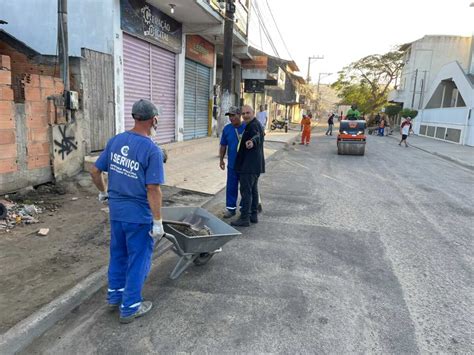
x=150, y=73
x=196, y=100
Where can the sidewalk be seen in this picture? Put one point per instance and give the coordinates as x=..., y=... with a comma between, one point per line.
x=460, y=154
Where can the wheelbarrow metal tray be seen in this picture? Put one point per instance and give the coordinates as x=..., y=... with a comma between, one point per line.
x=221, y=232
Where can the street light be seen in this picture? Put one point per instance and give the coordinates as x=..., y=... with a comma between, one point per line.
x=317, y=90
x=314, y=57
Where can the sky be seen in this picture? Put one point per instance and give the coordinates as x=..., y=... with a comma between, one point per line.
x=344, y=31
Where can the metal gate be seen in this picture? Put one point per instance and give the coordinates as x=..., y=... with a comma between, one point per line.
x=150, y=73
x=197, y=80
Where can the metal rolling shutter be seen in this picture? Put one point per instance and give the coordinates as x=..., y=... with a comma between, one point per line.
x=149, y=73
x=163, y=79
x=189, y=99
x=136, y=64
x=196, y=100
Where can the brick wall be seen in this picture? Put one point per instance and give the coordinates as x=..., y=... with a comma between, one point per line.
x=25, y=131
x=8, y=148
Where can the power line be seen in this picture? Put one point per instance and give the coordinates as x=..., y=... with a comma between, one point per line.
x=281, y=37
x=264, y=28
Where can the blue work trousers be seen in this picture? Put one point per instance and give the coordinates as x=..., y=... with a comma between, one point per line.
x=232, y=189
x=131, y=248
x=381, y=131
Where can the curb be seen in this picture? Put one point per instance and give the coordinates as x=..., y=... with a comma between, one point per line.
x=442, y=156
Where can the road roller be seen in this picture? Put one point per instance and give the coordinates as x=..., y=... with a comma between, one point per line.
x=351, y=138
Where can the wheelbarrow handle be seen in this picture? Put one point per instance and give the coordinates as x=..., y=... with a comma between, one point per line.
x=173, y=240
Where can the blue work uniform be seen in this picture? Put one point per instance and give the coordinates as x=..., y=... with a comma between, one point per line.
x=132, y=162
x=230, y=138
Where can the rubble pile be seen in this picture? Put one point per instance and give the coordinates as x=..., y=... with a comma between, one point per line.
x=17, y=213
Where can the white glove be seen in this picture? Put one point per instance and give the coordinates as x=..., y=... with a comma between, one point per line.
x=103, y=196
x=157, y=231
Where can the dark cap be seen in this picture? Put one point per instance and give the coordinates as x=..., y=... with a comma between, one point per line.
x=233, y=110
x=143, y=110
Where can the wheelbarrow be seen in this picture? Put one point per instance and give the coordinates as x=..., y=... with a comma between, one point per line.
x=194, y=249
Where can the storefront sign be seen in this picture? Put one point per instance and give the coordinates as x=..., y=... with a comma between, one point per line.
x=200, y=50
x=143, y=20
x=251, y=85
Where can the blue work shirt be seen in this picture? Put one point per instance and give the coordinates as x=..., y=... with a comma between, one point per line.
x=230, y=139
x=132, y=162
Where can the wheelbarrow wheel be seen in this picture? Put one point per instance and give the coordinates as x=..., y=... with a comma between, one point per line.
x=202, y=259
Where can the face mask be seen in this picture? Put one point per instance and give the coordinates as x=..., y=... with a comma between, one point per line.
x=153, y=128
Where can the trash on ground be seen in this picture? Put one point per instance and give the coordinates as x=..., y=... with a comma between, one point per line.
x=43, y=232
x=18, y=213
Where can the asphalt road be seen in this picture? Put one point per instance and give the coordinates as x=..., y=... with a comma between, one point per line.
x=367, y=254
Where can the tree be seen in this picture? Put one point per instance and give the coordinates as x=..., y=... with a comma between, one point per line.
x=367, y=81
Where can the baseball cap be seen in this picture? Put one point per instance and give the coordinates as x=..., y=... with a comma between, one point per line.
x=233, y=110
x=143, y=110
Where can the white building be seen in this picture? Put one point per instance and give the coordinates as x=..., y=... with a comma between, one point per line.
x=438, y=81
x=424, y=58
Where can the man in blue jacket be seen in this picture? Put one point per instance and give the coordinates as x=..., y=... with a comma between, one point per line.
x=134, y=164
x=249, y=164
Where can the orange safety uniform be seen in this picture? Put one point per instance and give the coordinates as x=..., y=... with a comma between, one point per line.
x=306, y=135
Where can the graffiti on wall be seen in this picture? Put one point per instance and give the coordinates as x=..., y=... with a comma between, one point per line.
x=67, y=144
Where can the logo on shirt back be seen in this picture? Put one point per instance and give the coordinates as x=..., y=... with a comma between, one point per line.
x=123, y=165
x=124, y=150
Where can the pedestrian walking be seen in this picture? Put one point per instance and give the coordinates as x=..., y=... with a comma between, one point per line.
x=230, y=141
x=381, y=127
x=134, y=164
x=306, y=128
x=249, y=164
x=330, y=124
x=262, y=117
x=405, y=129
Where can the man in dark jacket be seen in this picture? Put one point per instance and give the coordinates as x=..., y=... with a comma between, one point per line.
x=250, y=163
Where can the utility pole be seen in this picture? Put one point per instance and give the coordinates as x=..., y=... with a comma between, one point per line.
x=317, y=90
x=63, y=43
x=314, y=57
x=226, y=87
x=414, y=89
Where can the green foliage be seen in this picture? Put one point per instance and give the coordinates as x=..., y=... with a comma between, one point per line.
x=367, y=81
x=392, y=110
x=406, y=112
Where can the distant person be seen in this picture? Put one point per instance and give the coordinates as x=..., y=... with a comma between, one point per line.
x=353, y=113
x=262, y=117
x=405, y=129
x=306, y=128
x=377, y=119
x=230, y=140
x=330, y=124
x=381, y=127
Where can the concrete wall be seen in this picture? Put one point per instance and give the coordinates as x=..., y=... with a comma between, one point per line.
x=90, y=24
x=429, y=54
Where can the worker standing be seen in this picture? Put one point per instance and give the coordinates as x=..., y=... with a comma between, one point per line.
x=134, y=164
x=306, y=128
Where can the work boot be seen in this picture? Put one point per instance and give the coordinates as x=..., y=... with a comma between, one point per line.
x=229, y=214
x=254, y=218
x=240, y=222
x=145, y=307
